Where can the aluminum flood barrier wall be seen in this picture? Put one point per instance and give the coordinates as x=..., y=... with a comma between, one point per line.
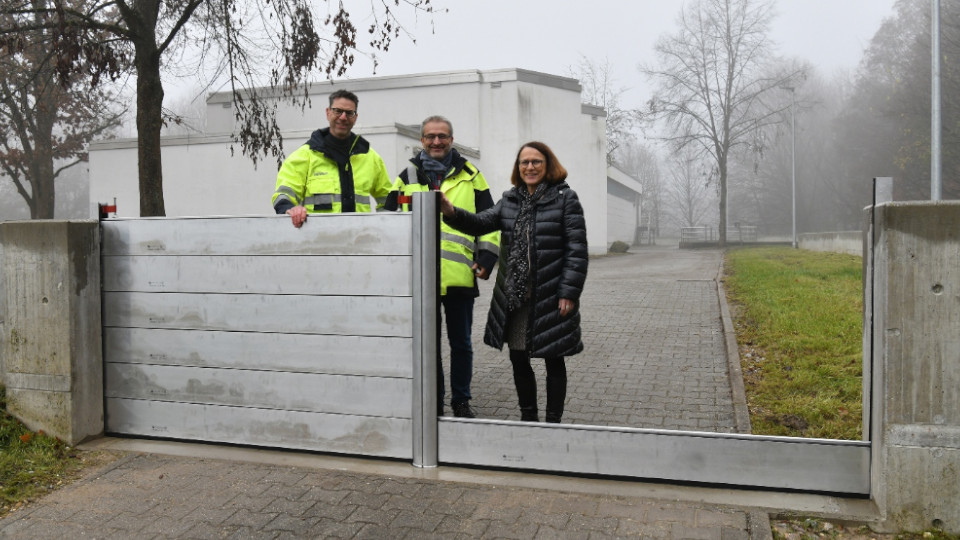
x=325, y=338
x=246, y=330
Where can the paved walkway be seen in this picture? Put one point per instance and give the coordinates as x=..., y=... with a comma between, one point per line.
x=654, y=358
x=653, y=348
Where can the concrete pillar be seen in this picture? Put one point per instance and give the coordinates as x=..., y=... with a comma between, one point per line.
x=3, y=314
x=52, y=334
x=912, y=317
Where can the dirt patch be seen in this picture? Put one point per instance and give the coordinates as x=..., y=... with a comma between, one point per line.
x=811, y=528
x=86, y=463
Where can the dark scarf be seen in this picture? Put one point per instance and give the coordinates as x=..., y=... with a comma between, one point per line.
x=435, y=170
x=518, y=260
x=337, y=149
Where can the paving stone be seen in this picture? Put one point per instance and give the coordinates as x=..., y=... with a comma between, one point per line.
x=682, y=530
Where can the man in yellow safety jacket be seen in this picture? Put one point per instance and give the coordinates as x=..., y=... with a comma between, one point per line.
x=463, y=258
x=335, y=171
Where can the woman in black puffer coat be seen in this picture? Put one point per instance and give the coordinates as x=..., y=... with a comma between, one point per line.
x=542, y=269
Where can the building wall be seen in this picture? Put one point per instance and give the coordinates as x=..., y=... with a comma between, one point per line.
x=493, y=113
x=623, y=206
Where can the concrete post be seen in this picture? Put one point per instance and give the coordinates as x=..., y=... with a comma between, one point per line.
x=3, y=314
x=913, y=300
x=52, y=334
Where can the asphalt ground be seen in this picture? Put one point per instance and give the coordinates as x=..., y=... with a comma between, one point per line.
x=656, y=355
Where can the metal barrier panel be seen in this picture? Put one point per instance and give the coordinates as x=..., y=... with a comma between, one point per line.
x=829, y=466
x=249, y=331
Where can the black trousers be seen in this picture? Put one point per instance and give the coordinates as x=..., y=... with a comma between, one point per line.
x=526, y=383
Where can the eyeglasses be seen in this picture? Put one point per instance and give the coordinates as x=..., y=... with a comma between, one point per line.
x=535, y=163
x=438, y=136
x=337, y=112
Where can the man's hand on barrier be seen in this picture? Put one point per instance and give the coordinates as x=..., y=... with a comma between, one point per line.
x=298, y=215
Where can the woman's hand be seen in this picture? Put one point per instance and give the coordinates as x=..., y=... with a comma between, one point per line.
x=566, y=307
x=446, y=207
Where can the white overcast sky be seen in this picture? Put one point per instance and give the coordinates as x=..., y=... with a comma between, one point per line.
x=551, y=35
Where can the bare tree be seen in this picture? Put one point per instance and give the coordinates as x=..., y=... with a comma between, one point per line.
x=887, y=118
x=688, y=189
x=46, y=120
x=644, y=165
x=825, y=200
x=253, y=43
x=712, y=82
x=598, y=87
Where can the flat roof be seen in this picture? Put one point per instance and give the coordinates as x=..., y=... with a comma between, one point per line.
x=431, y=79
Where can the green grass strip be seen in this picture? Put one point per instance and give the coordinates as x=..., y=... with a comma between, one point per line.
x=31, y=463
x=798, y=319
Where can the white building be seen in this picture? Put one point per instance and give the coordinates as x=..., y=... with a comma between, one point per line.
x=493, y=112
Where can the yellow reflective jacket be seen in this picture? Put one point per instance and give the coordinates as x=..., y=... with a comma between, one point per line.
x=466, y=188
x=324, y=180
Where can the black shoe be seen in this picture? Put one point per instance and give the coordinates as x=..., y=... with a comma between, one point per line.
x=529, y=414
x=463, y=410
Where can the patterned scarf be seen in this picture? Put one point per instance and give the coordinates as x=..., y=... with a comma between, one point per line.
x=435, y=170
x=518, y=260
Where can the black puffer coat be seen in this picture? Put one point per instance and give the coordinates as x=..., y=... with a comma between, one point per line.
x=559, y=268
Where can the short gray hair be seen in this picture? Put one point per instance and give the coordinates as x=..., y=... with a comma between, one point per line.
x=436, y=118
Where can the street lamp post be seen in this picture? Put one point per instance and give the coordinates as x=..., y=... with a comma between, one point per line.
x=793, y=160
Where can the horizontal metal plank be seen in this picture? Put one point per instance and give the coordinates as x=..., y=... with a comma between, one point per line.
x=334, y=315
x=361, y=435
x=307, y=353
x=310, y=392
x=741, y=460
x=386, y=233
x=324, y=275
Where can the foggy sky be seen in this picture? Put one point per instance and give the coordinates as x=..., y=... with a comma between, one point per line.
x=550, y=35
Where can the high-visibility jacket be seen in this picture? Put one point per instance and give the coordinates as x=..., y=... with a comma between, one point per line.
x=466, y=188
x=325, y=181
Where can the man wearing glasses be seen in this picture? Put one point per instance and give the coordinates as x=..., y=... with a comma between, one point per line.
x=463, y=258
x=335, y=171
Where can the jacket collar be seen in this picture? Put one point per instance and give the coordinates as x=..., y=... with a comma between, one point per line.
x=358, y=145
x=551, y=193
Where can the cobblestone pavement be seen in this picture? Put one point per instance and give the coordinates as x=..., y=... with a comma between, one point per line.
x=153, y=496
x=654, y=357
x=653, y=347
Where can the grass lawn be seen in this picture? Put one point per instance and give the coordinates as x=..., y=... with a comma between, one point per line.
x=32, y=463
x=798, y=319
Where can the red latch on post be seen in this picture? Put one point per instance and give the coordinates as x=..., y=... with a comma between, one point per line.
x=107, y=209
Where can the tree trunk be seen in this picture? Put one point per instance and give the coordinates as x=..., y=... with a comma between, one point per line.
x=42, y=185
x=41, y=166
x=149, y=122
x=723, y=201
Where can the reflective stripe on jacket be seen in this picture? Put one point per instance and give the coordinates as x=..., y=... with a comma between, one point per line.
x=311, y=178
x=466, y=188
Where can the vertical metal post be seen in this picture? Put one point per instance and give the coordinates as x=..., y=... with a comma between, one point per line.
x=793, y=161
x=882, y=193
x=426, y=326
x=935, y=165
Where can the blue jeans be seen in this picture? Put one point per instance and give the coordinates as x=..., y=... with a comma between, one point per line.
x=458, y=312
